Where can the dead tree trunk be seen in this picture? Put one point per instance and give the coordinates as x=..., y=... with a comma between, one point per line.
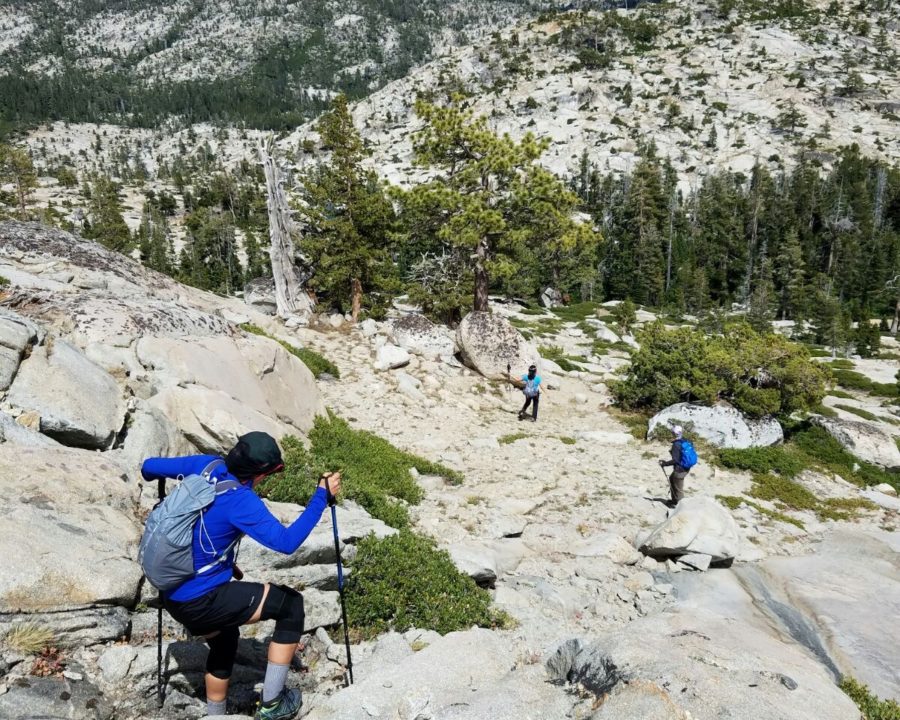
x=290, y=297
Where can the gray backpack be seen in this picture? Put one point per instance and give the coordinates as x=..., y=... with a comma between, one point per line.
x=165, y=552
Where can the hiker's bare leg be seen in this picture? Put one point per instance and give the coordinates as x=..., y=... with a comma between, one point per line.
x=216, y=688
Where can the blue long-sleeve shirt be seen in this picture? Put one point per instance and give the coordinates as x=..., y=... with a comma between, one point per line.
x=233, y=513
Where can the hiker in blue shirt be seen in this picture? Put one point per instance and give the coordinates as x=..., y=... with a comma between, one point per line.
x=532, y=390
x=212, y=606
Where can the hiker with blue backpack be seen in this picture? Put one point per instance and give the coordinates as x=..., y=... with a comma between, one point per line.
x=684, y=457
x=532, y=389
x=189, y=549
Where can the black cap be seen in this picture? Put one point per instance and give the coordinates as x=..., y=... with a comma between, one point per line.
x=256, y=453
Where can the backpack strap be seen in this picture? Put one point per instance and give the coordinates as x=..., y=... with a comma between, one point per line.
x=208, y=470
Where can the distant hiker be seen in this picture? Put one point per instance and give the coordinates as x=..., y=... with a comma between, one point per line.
x=684, y=457
x=208, y=603
x=532, y=390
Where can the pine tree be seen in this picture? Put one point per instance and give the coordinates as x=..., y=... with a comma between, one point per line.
x=789, y=277
x=349, y=219
x=17, y=169
x=257, y=260
x=154, y=241
x=762, y=301
x=482, y=184
x=104, y=222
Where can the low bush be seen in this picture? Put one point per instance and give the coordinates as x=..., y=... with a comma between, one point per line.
x=511, y=438
x=784, y=492
x=555, y=354
x=864, y=414
x=576, y=312
x=3, y=281
x=857, y=381
x=734, y=502
x=871, y=707
x=760, y=374
x=404, y=581
x=317, y=364
x=762, y=460
x=844, y=508
x=826, y=453
x=375, y=473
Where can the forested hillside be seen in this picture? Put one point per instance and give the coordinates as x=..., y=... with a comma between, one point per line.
x=258, y=63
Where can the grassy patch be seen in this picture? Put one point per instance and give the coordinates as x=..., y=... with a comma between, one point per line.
x=511, y=438
x=857, y=381
x=551, y=352
x=824, y=410
x=565, y=440
x=404, y=581
x=375, y=473
x=3, y=281
x=865, y=414
x=842, y=364
x=635, y=422
x=826, y=453
x=532, y=311
x=784, y=492
x=841, y=394
x=576, y=312
x=734, y=502
x=28, y=638
x=760, y=460
x=871, y=707
x=844, y=508
x=318, y=364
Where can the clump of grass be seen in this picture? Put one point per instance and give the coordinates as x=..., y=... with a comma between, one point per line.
x=28, y=638
x=824, y=452
x=636, y=422
x=404, y=581
x=318, y=364
x=734, y=502
x=375, y=473
x=784, y=492
x=566, y=440
x=857, y=381
x=532, y=311
x=864, y=414
x=3, y=281
x=844, y=508
x=840, y=394
x=576, y=312
x=551, y=352
x=871, y=707
x=761, y=460
x=842, y=364
x=511, y=438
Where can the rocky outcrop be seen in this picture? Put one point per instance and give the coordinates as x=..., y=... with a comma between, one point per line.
x=864, y=440
x=417, y=334
x=488, y=343
x=79, y=403
x=699, y=526
x=215, y=389
x=720, y=425
x=73, y=511
x=391, y=357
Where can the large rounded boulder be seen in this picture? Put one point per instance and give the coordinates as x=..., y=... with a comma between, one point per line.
x=720, y=425
x=417, y=334
x=864, y=440
x=489, y=343
x=698, y=526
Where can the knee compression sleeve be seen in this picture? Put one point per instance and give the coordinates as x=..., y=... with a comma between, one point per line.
x=222, y=650
x=284, y=605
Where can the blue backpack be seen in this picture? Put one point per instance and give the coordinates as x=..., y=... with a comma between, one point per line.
x=688, y=455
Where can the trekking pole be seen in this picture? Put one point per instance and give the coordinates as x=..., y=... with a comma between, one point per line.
x=332, y=503
x=160, y=688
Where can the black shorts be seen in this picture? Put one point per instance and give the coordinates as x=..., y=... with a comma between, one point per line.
x=229, y=605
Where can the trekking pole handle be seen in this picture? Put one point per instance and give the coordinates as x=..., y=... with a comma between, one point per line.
x=332, y=500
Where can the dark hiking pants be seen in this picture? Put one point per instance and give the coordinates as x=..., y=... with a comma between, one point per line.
x=534, y=408
x=676, y=484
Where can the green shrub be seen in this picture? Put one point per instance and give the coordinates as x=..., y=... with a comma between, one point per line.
x=511, y=438
x=576, y=312
x=834, y=392
x=844, y=508
x=734, y=502
x=762, y=460
x=824, y=452
x=784, y=492
x=761, y=374
x=565, y=440
x=870, y=706
x=375, y=473
x=555, y=354
x=317, y=364
x=857, y=381
x=842, y=364
x=404, y=581
x=3, y=281
x=865, y=414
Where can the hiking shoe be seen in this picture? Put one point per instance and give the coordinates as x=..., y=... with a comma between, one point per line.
x=285, y=706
